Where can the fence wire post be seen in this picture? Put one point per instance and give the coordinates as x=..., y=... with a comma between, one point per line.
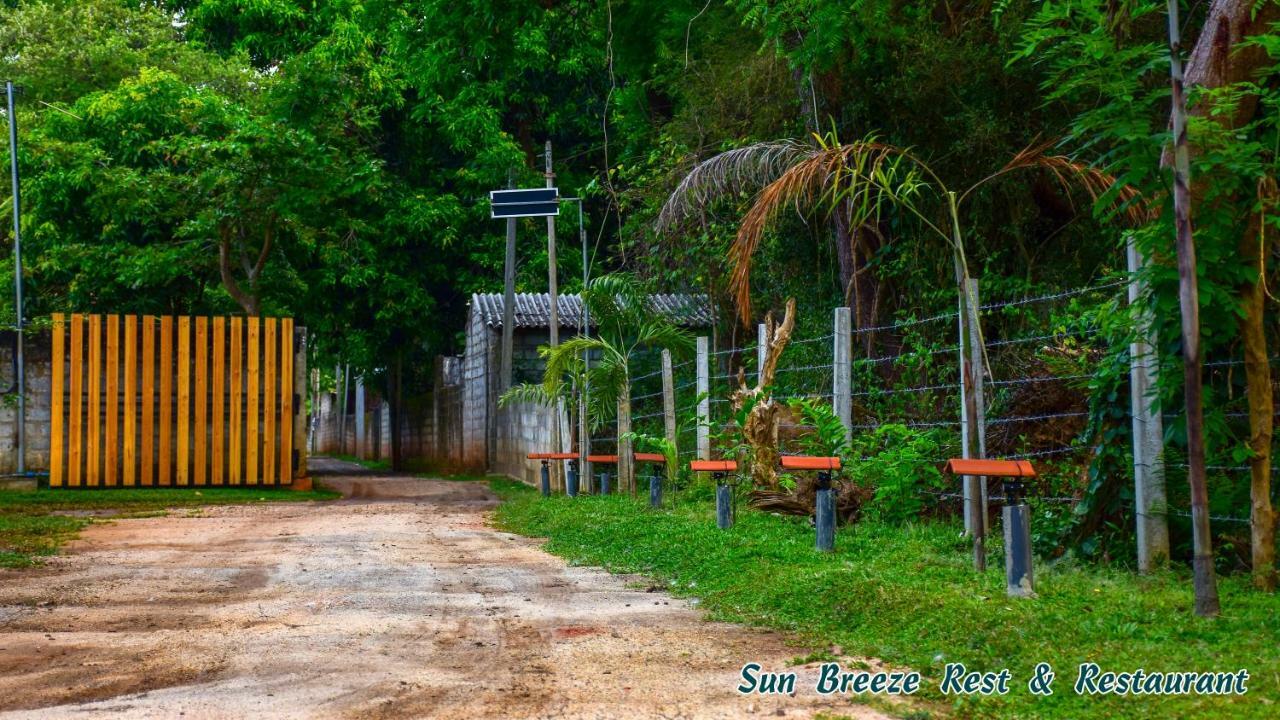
x=762, y=349
x=842, y=373
x=971, y=362
x=1148, y=428
x=669, y=399
x=704, y=398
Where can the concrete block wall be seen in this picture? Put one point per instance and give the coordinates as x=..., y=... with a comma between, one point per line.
x=39, y=369
x=475, y=395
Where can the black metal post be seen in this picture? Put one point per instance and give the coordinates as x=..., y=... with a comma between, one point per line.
x=724, y=502
x=571, y=480
x=546, y=479
x=824, y=514
x=604, y=482
x=655, y=490
x=1017, y=541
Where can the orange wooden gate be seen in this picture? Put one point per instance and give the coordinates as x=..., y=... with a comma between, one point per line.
x=164, y=401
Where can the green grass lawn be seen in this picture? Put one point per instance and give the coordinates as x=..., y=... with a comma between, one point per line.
x=35, y=523
x=907, y=595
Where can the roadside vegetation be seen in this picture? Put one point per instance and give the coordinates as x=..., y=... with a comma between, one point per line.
x=36, y=523
x=907, y=594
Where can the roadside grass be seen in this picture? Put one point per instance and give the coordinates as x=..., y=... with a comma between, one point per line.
x=35, y=523
x=908, y=595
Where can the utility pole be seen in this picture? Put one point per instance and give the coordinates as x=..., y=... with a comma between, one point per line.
x=553, y=291
x=10, y=91
x=584, y=435
x=508, y=297
x=551, y=259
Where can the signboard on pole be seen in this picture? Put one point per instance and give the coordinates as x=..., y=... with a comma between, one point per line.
x=534, y=202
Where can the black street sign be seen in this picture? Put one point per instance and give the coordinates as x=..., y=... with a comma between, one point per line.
x=535, y=202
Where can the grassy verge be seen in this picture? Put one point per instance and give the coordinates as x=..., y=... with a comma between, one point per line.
x=35, y=523
x=907, y=595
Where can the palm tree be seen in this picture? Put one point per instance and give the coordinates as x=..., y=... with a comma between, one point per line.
x=625, y=325
x=857, y=182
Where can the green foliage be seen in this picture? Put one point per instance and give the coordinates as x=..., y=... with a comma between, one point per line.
x=900, y=464
x=826, y=435
x=625, y=326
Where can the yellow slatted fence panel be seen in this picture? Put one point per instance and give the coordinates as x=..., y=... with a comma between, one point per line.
x=93, y=466
x=268, y=400
x=111, y=436
x=286, y=401
x=251, y=419
x=55, y=401
x=147, y=462
x=200, y=425
x=184, y=401
x=164, y=460
x=129, y=455
x=74, y=436
x=235, y=475
x=217, y=460
x=224, y=389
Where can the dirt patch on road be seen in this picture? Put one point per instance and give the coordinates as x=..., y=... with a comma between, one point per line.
x=398, y=601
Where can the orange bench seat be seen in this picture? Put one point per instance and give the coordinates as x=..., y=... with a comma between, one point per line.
x=810, y=462
x=713, y=465
x=991, y=468
x=552, y=456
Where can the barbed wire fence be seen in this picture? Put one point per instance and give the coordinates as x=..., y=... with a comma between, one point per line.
x=1040, y=354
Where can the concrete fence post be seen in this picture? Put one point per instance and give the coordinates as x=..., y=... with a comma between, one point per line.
x=361, y=448
x=669, y=399
x=299, y=402
x=1148, y=429
x=842, y=370
x=762, y=349
x=704, y=400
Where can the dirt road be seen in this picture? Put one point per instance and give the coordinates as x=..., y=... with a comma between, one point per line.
x=397, y=601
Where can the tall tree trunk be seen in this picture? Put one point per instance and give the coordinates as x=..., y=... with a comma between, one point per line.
x=626, y=460
x=1217, y=60
x=1204, y=581
x=1257, y=368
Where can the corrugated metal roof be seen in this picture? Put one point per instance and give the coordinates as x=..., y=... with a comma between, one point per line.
x=533, y=310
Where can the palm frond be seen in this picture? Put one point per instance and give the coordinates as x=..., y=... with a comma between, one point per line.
x=835, y=171
x=616, y=302
x=744, y=169
x=1113, y=197
x=663, y=334
x=527, y=393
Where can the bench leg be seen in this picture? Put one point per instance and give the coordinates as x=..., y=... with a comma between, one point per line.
x=604, y=482
x=1017, y=551
x=546, y=479
x=724, y=507
x=655, y=491
x=571, y=479
x=825, y=520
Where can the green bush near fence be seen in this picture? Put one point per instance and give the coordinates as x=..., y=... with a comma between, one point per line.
x=907, y=595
